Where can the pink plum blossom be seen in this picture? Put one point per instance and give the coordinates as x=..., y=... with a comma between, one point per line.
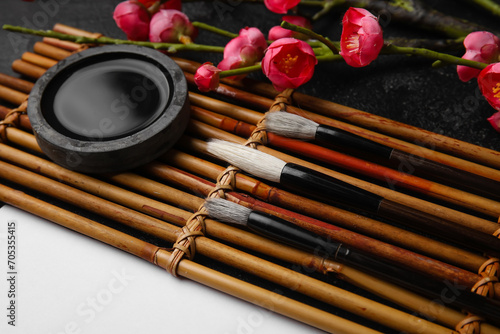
x=133, y=18
x=481, y=46
x=244, y=50
x=289, y=63
x=171, y=26
x=207, y=77
x=280, y=6
x=361, y=39
x=278, y=32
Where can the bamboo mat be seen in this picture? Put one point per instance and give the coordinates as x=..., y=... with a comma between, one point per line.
x=161, y=204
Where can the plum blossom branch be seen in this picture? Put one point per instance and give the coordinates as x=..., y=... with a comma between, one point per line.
x=240, y=71
x=312, y=34
x=426, y=53
x=170, y=47
x=214, y=30
x=489, y=5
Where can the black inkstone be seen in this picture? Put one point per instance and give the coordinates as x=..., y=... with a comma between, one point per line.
x=109, y=108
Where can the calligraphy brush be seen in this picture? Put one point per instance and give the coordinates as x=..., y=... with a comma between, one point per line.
x=288, y=233
x=328, y=189
x=295, y=126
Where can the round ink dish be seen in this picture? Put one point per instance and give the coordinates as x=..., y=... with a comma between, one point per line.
x=109, y=108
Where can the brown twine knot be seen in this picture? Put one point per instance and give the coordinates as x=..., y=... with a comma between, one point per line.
x=282, y=100
x=470, y=325
x=185, y=244
x=13, y=119
x=489, y=271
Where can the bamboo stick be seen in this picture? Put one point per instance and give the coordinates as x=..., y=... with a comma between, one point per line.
x=277, y=274
x=366, y=168
x=12, y=96
x=65, y=29
x=264, y=104
x=27, y=69
x=50, y=51
x=360, y=224
x=20, y=85
x=188, y=269
x=23, y=139
x=23, y=118
x=66, y=45
x=367, y=120
x=38, y=60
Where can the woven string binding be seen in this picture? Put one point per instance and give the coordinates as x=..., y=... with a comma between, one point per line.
x=489, y=271
x=12, y=119
x=226, y=181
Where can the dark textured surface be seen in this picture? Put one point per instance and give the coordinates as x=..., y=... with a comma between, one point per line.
x=401, y=88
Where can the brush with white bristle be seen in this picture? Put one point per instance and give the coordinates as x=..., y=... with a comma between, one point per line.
x=255, y=162
x=324, y=188
x=281, y=230
x=291, y=175
x=294, y=126
x=268, y=225
x=290, y=125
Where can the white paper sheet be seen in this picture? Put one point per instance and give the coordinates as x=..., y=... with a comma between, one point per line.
x=67, y=283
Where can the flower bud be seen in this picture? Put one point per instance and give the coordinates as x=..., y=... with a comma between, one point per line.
x=495, y=121
x=207, y=77
x=481, y=46
x=244, y=50
x=488, y=81
x=170, y=26
x=133, y=18
x=280, y=6
x=278, y=32
x=170, y=4
x=361, y=39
